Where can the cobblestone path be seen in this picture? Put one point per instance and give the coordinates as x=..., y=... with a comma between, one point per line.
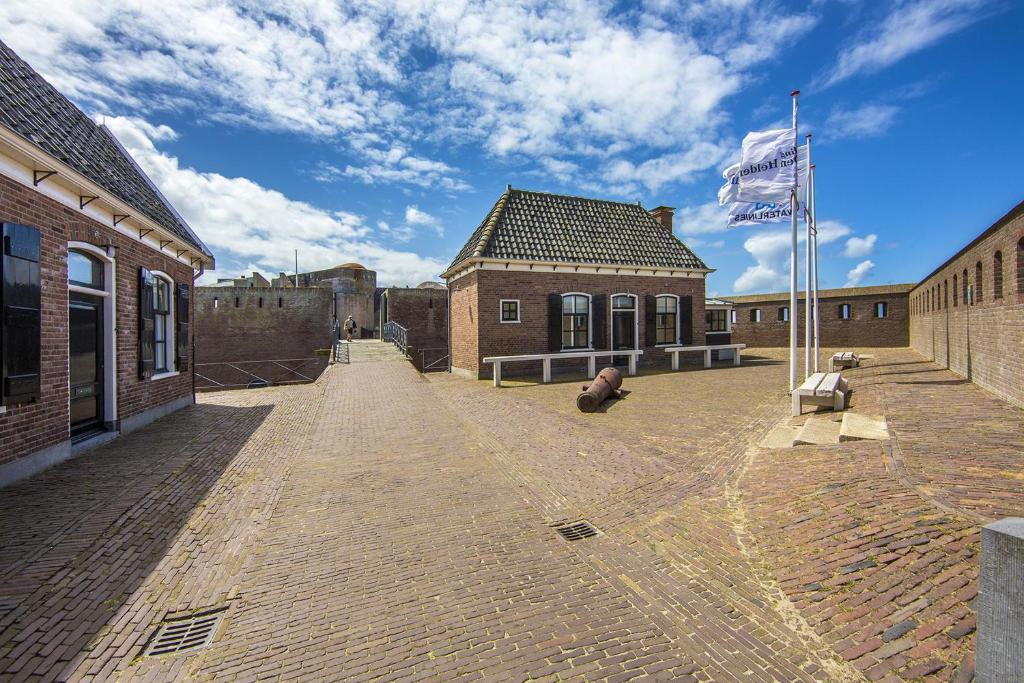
x=384, y=525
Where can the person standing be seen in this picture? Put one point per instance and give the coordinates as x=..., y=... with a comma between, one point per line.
x=350, y=327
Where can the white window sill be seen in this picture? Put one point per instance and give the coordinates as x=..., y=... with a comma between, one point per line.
x=165, y=375
x=574, y=350
x=507, y=322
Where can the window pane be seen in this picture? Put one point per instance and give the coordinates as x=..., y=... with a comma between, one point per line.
x=622, y=301
x=84, y=270
x=666, y=304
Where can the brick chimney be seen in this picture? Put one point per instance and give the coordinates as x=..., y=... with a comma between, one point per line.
x=663, y=214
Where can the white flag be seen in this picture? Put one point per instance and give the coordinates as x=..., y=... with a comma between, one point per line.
x=727, y=195
x=759, y=213
x=801, y=170
x=767, y=169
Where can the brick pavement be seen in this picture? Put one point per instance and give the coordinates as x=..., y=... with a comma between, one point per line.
x=383, y=525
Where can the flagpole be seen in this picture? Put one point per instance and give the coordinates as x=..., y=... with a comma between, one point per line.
x=807, y=264
x=793, y=327
x=811, y=170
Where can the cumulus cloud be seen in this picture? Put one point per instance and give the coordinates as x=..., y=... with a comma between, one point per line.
x=858, y=273
x=868, y=121
x=701, y=219
x=415, y=217
x=771, y=251
x=858, y=247
x=248, y=225
x=908, y=28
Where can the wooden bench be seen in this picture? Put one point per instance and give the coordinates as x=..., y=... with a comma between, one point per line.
x=676, y=350
x=821, y=389
x=546, y=358
x=843, y=360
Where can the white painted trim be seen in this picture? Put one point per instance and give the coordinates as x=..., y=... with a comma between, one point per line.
x=109, y=325
x=501, y=306
x=676, y=297
x=169, y=327
x=636, y=319
x=467, y=267
x=19, y=158
x=590, y=320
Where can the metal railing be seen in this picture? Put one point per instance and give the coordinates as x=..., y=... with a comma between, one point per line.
x=258, y=373
x=397, y=335
x=434, y=360
x=341, y=352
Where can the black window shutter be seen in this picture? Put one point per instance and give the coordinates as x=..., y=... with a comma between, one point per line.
x=554, y=323
x=20, y=320
x=147, y=325
x=686, y=320
x=599, y=304
x=650, y=319
x=181, y=326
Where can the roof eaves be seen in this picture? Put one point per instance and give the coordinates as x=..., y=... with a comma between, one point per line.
x=492, y=223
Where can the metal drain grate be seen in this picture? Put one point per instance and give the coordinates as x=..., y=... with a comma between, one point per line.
x=184, y=634
x=575, y=531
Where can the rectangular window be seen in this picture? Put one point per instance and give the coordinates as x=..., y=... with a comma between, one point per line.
x=755, y=315
x=161, y=309
x=509, y=310
x=844, y=311
x=881, y=310
x=665, y=320
x=716, y=320
x=784, y=314
x=732, y=316
x=575, y=321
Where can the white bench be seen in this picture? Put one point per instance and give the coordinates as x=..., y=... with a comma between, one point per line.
x=676, y=350
x=821, y=389
x=843, y=360
x=591, y=357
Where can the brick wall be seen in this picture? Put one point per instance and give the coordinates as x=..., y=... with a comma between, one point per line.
x=477, y=331
x=262, y=323
x=423, y=312
x=981, y=341
x=863, y=329
x=30, y=428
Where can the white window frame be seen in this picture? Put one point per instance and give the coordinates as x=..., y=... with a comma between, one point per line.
x=636, y=317
x=848, y=308
x=590, y=321
x=732, y=318
x=108, y=258
x=672, y=296
x=501, y=310
x=758, y=316
x=785, y=314
x=169, y=345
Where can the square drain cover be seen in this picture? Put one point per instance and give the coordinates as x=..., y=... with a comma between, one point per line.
x=575, y=531
x=184, y=633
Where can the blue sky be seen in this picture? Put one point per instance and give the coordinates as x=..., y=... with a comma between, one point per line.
x=382, y=132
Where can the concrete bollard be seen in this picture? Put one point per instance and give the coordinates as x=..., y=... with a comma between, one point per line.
x=1000, y=647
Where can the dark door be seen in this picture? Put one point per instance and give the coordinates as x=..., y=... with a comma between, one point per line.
x=623, y=333
x=85, y=347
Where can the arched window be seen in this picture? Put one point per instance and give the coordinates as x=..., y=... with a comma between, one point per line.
x=963, y=288
x=977, y=283
x=667, y=319
x=1020, y=266
x=945, y=294
x=997, y=275
x=955, y=295
x=575, y=321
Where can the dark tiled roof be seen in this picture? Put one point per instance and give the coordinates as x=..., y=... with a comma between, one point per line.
x=34, y=109
x=536, y=226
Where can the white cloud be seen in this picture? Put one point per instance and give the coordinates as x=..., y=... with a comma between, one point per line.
x=674, y=167
x=415, y=217
x=858, y=273
x=701, y=219
x=248, y=225
x=771, y=251
x=910, y=27
x=859, y=247
x=394, y=164
x=868, y=121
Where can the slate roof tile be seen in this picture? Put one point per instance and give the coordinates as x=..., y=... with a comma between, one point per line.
x=35, y=110
x=536, y=226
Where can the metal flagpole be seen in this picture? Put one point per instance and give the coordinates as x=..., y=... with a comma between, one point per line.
x=793, y=329
x=814, y=235
x=807, y=265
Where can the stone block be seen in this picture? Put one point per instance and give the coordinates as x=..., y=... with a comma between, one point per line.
x=1001, y=602
x=818, y=431
x=857, y=427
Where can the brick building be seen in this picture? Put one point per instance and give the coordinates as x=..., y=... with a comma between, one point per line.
x=968, y=314
x=546, y=273
x=850, y=317
x=423, y=312
x=254, y=336
x=354, y=288
x=97, y=271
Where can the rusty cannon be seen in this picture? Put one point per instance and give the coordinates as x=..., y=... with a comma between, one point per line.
x=605, y=385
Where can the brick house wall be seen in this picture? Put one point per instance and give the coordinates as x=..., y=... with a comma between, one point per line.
x=262, y=323
x=477, y=331
x=27, y=429
x=981, y=341
x=863, y=329
x=423, y=312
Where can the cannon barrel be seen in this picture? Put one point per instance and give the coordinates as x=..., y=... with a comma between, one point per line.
x=605, y=385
